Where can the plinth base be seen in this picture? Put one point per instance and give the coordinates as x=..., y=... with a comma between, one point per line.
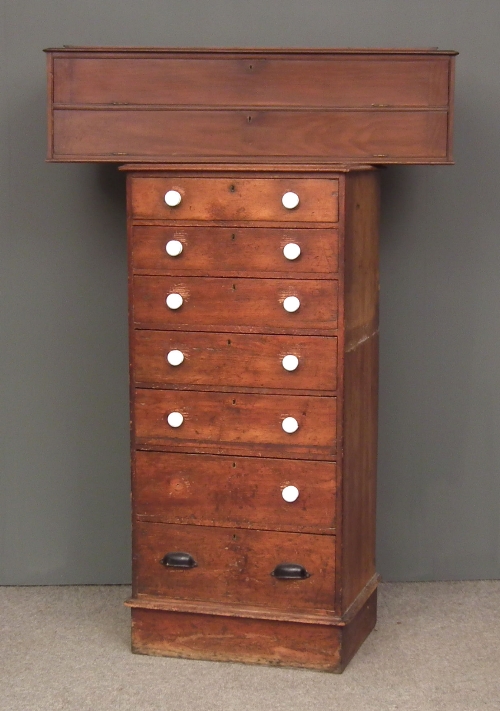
x=324, y=646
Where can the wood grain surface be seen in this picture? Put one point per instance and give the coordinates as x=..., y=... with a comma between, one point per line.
x=219, y=361
x=234, y=565
x=243, y=424
x=376, y=136
x=361, y=81
x=239, y=305
x=235, y=198
x=242, y=251
x=239, y=492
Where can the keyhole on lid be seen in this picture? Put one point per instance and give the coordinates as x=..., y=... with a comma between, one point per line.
x=249, y=119
x=228, y=341
x=232, y=188
x=234, y=465
x=250, y=66
x=233, y=237
x=234, y=402
x=234, y=287
x=234, y=536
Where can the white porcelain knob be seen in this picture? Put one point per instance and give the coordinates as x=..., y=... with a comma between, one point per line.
x=173, y=247
x=290, y=494
x=175, y=419
x=291, y=304
x=290, y=362
x=173, y=198
x=174, y=301
x=290, y=200
x=290, y=425
x=175, y=357
x=291, y=251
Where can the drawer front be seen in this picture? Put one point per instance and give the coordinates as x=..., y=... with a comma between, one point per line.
x=234, y=492
x=235, y=199
x=222, y=250
x=234, y=565
x=237, y=423
x=222, y=304
x=238, y=361
x=361, y=80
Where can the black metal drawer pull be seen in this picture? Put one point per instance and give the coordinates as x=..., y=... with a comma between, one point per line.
x=178, y=560
x=290, y=571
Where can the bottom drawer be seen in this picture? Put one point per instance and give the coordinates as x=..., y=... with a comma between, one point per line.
x=235, y=566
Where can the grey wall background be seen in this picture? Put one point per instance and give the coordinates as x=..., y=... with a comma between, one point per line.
x=64, y=474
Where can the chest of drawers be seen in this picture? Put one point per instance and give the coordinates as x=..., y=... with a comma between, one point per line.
x=254, y=426
x=252, y=217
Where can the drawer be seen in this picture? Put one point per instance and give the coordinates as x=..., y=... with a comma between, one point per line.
x=223, y=304
x=234, y=566
x=240, y=361
x=247, y=78
x=224, y=423
x=219, y=251
x=238, y=199
x=234, y=491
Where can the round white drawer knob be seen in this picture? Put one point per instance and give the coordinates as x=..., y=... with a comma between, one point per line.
x=290, y=200
x=290, y=425
x=290, y=494
x=173, y=247
x=291, y=304
x=174, y=301
x=173, y=198
x=290, y=362
x=175, y=419
x=175, y=357
x=291, y=251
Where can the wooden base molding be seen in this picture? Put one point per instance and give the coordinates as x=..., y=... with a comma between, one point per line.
x=323, y=647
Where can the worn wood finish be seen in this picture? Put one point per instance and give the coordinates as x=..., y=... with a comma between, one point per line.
x=238, y=492
x=376, y=136
x=232, y=131
x=313, y=81
x=236, y=423
x=235, y=199
x=357, y=502
x=253, y=641
x=238, y=251
x=234, y=565
x=240, y=305
x=231, y=363
x=380, y=106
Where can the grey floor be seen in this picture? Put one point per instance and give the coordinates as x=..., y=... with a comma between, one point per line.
x=436, y=647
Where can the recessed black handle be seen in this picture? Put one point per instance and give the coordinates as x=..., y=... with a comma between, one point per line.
x=290, y=571
x=178, y=560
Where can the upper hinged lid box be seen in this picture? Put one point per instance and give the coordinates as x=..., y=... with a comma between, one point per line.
x=283, y=106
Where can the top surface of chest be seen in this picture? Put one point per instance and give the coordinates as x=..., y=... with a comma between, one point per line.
x=164, y=105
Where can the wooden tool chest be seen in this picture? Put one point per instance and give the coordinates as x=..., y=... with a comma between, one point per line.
x=253, y=212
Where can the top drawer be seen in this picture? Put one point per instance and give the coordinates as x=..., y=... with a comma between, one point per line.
x=237, y=199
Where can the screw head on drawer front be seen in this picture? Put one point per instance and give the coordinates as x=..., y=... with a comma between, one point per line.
x=175, y=357
x=290, y=425
x=290, y=362
x=174, y=301
x=290, y=200
x=290, y=494
x=175, y=419
x=173, y=198
x=173, y=248
x=291, y=304
x=291, y=251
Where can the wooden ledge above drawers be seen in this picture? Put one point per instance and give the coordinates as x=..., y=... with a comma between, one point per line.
x=355, y=106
